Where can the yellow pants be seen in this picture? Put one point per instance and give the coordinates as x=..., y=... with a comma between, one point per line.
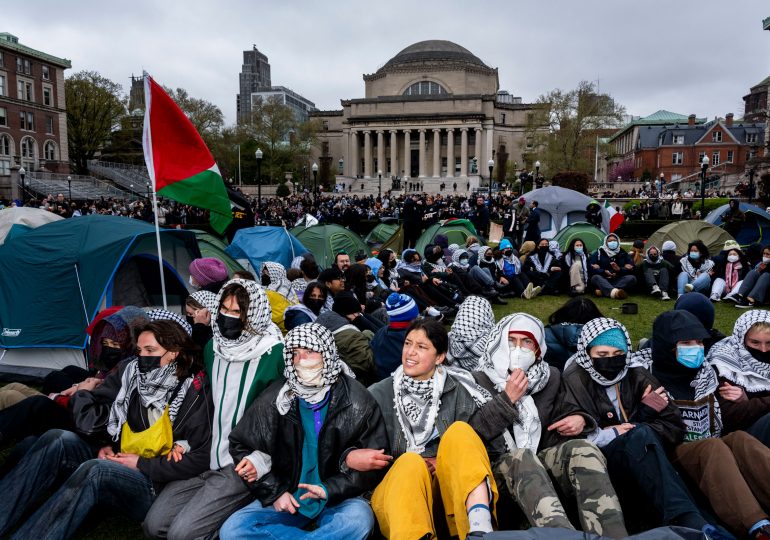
x=403, y=502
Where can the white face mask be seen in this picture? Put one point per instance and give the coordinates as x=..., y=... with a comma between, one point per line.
x=766, y=260
x=309, y=372
x=733, y=258
x=192, y=283
x=521, y=358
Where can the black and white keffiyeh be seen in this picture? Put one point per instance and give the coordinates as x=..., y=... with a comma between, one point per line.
x=417, y=403
x=154, y=389
x=692, y=270
x=165, y=315
x=593, y=329
x=474, y=320
x=570, y=260
x=734, y=362
x=208, y=300
x=313, y=337
x=456, y=255
x=543, y=267
x=278, y=281
x=258, y=337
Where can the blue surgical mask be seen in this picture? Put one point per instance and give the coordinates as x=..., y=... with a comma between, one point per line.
x=612, y=244
x=690, y=356
x=579, y=250
x=694, y=255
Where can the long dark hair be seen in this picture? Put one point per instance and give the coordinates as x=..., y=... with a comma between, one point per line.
x=578, y=310
x=356, y=280
x=436, y=332
x=702, y=249
x=313, y=285
x=172, y=337
x=242, y=297
x=571, y=247
x=384, y=258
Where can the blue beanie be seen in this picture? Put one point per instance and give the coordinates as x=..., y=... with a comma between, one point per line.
x=614, y=337
x=401, y=308
x=698, y=305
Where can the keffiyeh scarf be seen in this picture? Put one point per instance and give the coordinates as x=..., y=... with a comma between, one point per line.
x=691, y=270
x=569, y=258
x=208, y=300
x=543, y=267
x=417, y=404
x=734, y=362
x=610, y=252
x=278, y=281
x=591, y=330
x=474, y=320
x=164, y=315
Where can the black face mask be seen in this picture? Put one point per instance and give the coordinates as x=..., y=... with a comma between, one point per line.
x=434, y=257
x=392, y=264
x=190, y=320
x=110, y=356
x=610, y=366
x=265, y=280
x=507, y=253
x=543, y=249
x=315, y=304
x=759, y=355
x=229, y=327
x=488, y=258
x=148, y=363
x=370, y=278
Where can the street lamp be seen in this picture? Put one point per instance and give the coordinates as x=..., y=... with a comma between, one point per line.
x=704, y=166
x=69, y=186
x=490, y=165
x=537, y=172
x=379, y=188
x=314, y=168
x=341, y=164
x=23, y=173
x=258, y=154
x=148, y=190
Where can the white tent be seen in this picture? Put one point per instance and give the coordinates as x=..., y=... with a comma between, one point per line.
x=560, y=207
x=28, y=217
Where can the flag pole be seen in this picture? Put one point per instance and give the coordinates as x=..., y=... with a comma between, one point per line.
x=160, y=252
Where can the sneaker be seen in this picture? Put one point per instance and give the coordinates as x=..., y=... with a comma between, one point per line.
x=689, y=287
x=745, y=304
x=619, y=294
x=664, y=296
x=734, y=298
x=714, y=297
x=655, y=290
x=598, y=292
x=528, y=291
x=430, y=311
x=536, y=291
x=762, y=533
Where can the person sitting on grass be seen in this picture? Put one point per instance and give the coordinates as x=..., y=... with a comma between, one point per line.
x=474, y=320
x=755, y=285
x=612, y=272
x=697, y=270
x=730, y=267
x=543, y=269
x=576, y=265
x=656, y=271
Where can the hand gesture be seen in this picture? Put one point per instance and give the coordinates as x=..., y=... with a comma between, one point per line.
x=516, y=385
x=569, y=426
x=176, y=453
x=366, y=459
x=105, y=452
x=127, y=460
x=286, y=503
x=624, y=428
x=313, y=492
x=246, y=470
x=732, y=393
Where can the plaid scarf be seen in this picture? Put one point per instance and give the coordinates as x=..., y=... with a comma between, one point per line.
x=417, y=405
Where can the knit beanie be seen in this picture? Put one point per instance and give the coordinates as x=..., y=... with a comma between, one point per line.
x=698, y=305
x=614, y=337
x=401, y=308
x=208, y=270
x=668, y=245
x=346, y=303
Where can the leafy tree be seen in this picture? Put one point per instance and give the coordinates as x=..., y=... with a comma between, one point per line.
x=204, y=115
x=95, y=106
x=283, y=190
x=571, y=180
x=564, y=126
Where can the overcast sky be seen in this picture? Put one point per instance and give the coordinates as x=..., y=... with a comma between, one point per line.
x=686, y=56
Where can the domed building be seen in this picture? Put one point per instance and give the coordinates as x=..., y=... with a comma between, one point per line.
x=433, y=114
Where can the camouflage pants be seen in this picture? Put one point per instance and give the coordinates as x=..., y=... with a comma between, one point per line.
x=579, y=469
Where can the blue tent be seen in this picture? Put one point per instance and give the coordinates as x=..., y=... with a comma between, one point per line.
x=260, y=244
x=756, y=228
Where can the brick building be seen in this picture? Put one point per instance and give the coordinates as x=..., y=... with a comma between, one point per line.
x=33, y=118
x=756, y=102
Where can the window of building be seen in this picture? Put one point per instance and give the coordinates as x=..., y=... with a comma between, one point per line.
x=716, y=136
x=2, y=59
x=2, y=85
x=27, y=67
x=5, y=145
x=28, y=148
x=46, y=73
x=326, y=125
x=530, y=143
x=715, y=158
x=751, y=137
x=3, y=116
x=678, y=139
x=49, y=125
x=729, y=156
x=5, y=167
x=19, y=65
x=27, y=121
x=502, y=118
x=47, y=96
x=50, y=151
x=677, y=158
x=24, y=90
x=425, y=88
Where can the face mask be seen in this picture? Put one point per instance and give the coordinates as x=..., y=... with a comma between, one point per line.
x=521, y=358
x=308, y=375
x=110, y=356
x=148, y=363
x=265, y=280
x=653, y=258
x=370, y=278
x=694, y=255
x=612, y=244
x=314, y=305
x=192, y=283
x=507, y=253
x=392, y=264
x=766, y=260
x=733, y=258
x=690, y=356
x=464, y=262
x=230, y=327
x=190, y=320
x=610, y=367
x=543, y=249
x=578, y=250
x=759, y=355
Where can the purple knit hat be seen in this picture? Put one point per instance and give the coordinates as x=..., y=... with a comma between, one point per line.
x=208, y=270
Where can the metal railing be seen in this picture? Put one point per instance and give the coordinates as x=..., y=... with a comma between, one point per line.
x=80, y=187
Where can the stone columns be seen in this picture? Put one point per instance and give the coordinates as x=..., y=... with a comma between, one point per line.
x=393, y=169
x=345, y=151
x=380, y=152
x=450, y=152
x=353, y=154
x=464, y=151
x=367, y=154
x=436, y=153
x=422, y=153
x=488, y=146
x=480, y=163
x=407, y=152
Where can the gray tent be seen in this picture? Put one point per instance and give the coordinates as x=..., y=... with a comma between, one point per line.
x=560, y=207
x=23, y=218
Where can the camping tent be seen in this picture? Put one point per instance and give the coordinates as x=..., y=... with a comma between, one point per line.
x=255, y=245
x=58, y=276
x=395, y=243
x=381, y=233
x=24, y=219
x=456, y=230
x=686, y=231
x=324, y=241
x=211, y=246
x=560, y=207
x=590, y=235
x=756, y=228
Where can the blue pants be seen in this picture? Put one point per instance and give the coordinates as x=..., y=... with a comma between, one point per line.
x=352, y=519
x=701, y=284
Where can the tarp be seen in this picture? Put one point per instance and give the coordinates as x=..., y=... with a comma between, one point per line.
x=590, y=235
x=381, y=233
x=560, y=207
x=324, y=241
x=756, y=228
x=211, y=246
x=686, y=231
x=456, y=230
x=29, y=217
x=259, y=244
x=57, y=277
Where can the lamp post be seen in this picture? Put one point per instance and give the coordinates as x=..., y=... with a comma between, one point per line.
x=341, y=164
x=258, y=154
x=314, y=168
x=704, y=166
x=537, y=172
x=22, y=174
x=490, y=166
x=69, y=186
x=379, y=187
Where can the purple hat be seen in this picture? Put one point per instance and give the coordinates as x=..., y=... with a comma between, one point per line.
x=208, y=270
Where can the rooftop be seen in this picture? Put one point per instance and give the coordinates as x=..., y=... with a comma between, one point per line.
x=658, y=118
x=434, y=50
x=9, y=41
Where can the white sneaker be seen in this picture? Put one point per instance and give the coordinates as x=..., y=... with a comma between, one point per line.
x=655, y=290
x=688, y=288
x=715, y=297
x=536, y=291
x=664, y=296
x=528, y=291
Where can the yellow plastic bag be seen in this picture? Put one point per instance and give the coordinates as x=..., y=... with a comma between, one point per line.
x=154, y=441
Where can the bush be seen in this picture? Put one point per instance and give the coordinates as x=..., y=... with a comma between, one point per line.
x=282, y=190
x=631, y=230
x=571, y=180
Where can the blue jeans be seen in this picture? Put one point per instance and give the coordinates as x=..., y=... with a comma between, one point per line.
x=701, y=284
x=352, y=519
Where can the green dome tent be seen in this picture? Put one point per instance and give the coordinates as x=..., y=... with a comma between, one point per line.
x=686, y=231
x=590, y=235
x=211, y=246
x=456, y=230
x=324, y=241
x=381, y=233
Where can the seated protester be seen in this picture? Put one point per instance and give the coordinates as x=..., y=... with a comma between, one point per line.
x=611, y=270
x=730, y=267
x=388, y=342
x=242, y=359
x=146, y=425
x=342, y=261
x=576, y=265
x=521, y=392
x=697, y=269
x=347, y=304
x=543, y=269
x=473, y=246
x=290, y=443
x=563, y=330
x=510, y=271
x=656, y=271
x=375, y=284
x=355, y=282
x=637, y=425
x=313, y=300
x=389, y=275
x=742, y=363
x=703, y=309
x=208, y=274
x=442, y=241
x=724, y=469
x=755, y=285
x=439, y=284
x=637, y=253
x=334, y=281
x=434, y=450
x=474, y=320
x=413, y=282
x=668, y=252
x=526, y=248
x=309, y=268
x=198, y=309
x=473, y=280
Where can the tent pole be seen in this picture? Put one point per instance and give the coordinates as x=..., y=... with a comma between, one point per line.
x=160, y=253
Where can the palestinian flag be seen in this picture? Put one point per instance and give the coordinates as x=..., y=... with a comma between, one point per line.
x=178, y=161
x=616, y=218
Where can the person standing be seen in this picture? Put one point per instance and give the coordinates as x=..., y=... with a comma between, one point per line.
x=533, y=224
